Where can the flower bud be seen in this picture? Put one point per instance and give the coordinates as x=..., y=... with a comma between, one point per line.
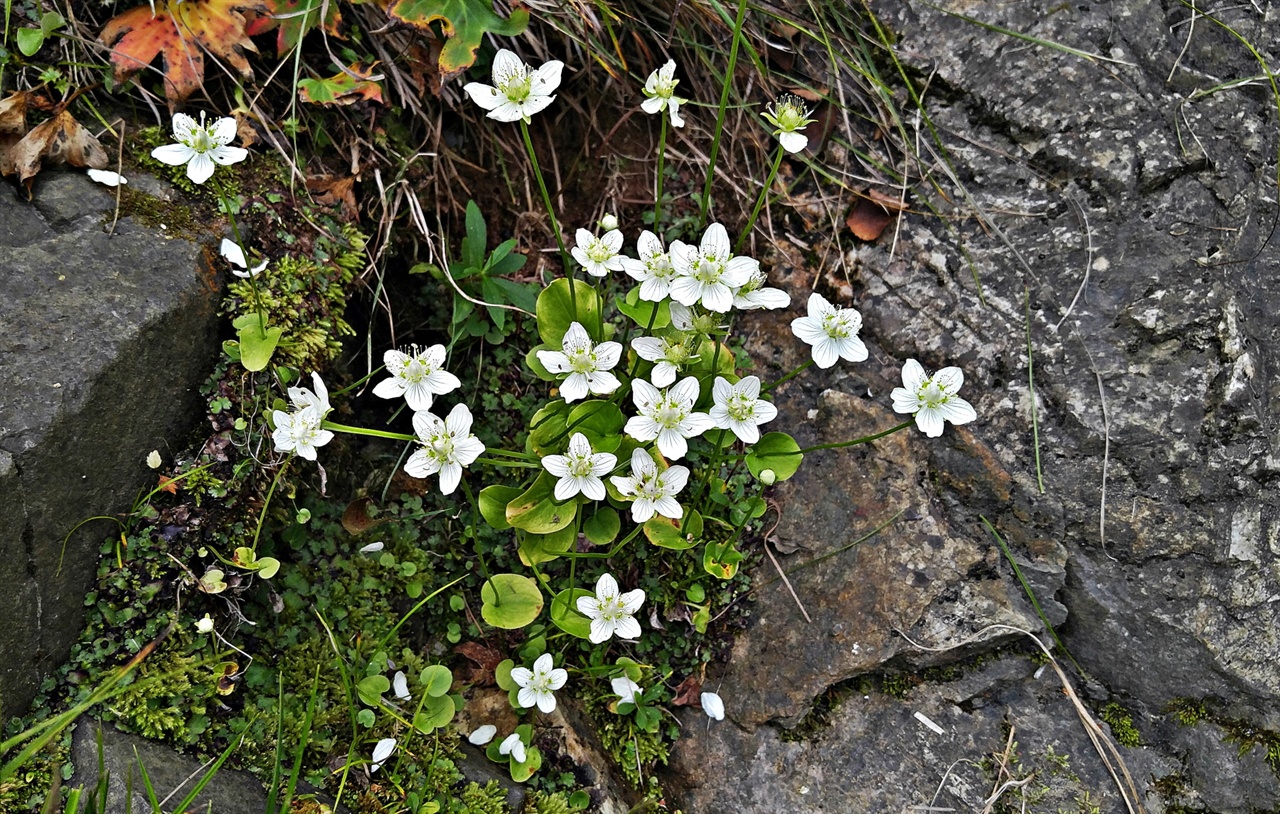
x=204, y=625
x=768, y=477
x=609, y=222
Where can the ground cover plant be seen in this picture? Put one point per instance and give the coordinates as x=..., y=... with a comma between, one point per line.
x=557, y=478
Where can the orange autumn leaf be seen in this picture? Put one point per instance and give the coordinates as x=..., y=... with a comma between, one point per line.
x=872, y=213
x=169, y=485
x=180, y=31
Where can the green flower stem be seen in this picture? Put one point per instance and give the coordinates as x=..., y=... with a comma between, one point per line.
x=705, y=204
x=475, y=541
x=266, y=503
x=394, y=436
x=508, y=464
x=525, y=456
x=551, y=213
x=800, y=369
x=716, y=459
x=585, y=555
x=253, y=281
x=635, y=363
x=856, y=441
x=764, y=196
x=657, y=200
x=358, y=382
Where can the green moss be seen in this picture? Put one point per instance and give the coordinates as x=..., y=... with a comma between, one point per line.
x=1121, y=723
x=542, y=803
x=478, y=799
x=1188, y=711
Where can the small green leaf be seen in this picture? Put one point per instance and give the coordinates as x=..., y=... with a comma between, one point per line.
x=579, y=800
x=600, y=421
x=536, y=549
x=602, y=527
x=371, y=689
x=641, y=311
x=721, y=560
x=268, y=567
x=435, y=713
x=365, y=718
x=695, y=592
x=521, y=772
x=556, y=312
x=536, y=511
x=502, y=674
x=510, y=601
x=473, y=245
x=665, y=532
x=256, y=344
x=776, y=451
x=30, y=40
x=51, y=22
x=565, y=615
x=437, y=680
x=493, y=505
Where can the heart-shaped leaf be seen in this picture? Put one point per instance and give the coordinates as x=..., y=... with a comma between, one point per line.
x=510, y=601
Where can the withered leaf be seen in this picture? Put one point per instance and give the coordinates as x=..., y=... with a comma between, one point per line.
x=688, y=693
x=356, y=518
x=330, y=191
x=13, y=124
x=60, y=139
x=871, y=214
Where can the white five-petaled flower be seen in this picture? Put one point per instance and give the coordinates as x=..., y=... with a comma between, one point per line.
x=659, y=91
x=667, y=416
x=518, y=91
x=447, y=446
x=611, y=613
x=738, y=407
x=754, y=295
x=652, y=492
x=304, y=397
x=587, y=364
x=832, y=331
x=713, y=705
x=789, y=114
x=537, y=685
x=108, y=178
x=934, y=400
x=482, y=735
x=598, y=255
x=513, y=746
x=668, y=354
x=625, y=689
x=419, y=376
x=201, y=147
x=234, y=255
x=653, y=270
x=579, y=471
x=709, y=273
x=381, y=752
x=300, y=431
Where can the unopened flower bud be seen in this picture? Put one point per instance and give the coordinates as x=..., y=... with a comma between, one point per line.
x=768, y=477
x=204, y=625
x=609, y=222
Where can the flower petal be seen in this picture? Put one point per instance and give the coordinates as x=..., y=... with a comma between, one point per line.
x=715, y=242
x=200, y=168
x=913, y=375
x=484, y=95
x=173, y=154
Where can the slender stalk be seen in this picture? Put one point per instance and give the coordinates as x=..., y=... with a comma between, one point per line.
x=347, y=428
x=265, y=504
x=657, y=198
x=253, y=278
x=714, y=469
x=551, y=213
x=705, y=204
x=764, y=196
x=854, y=442
x=800, y=369
x=475, y=541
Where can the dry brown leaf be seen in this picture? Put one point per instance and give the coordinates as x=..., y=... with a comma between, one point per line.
x=330, y=191
x=356, y=518
x=169, y=485
x=871, y=215
x=59, y=139
x=688, y=693
x=485, y=659
x=13, y=125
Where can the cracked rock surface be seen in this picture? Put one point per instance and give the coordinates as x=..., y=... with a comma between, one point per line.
x=1133, y=215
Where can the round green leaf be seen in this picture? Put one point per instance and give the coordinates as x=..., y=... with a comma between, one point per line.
x=493, y=505
x=366, y=718
x=547, y=429
x=535, y=510
x=600, y=421
x=665, y=532
x=371, y=689
x=641, y=311
x=510, y=601
x=437, y=680
x=564, y=613
x=435, y=713
x=521, y=772
x=556, y=311
x=602, y=527
x=534, y=364
x=536, y=549
x=502, y=674
x=721, y=560
x=776, y=451
x=268, y=567
x=257, y=341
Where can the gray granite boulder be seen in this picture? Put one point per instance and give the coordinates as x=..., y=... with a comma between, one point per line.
x=104, y=341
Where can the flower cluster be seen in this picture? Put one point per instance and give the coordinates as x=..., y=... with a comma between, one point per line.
x=301, y=431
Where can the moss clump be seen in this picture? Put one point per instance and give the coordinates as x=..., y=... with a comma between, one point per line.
x=1121, y=723
x=556, y=803
x=164, y=708
x=1188, y=711
x=478, y=799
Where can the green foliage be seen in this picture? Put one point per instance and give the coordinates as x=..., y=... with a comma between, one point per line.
x=169, y=708
x=477, y=799
x=1121, y=723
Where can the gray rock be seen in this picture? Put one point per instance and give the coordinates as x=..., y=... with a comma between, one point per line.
x=105, y=341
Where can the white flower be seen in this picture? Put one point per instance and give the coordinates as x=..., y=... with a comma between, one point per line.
x=610, y=612
x=518, y=91
x=400, y=686
x=537, y=685
x=659, y=91
x=108, y=178
x=304, y=397
x=300, y=431
x=482, y=735
x=709, y=273
x=447, y=446
x=381, y=752
x=832, y=331
x=153, y=459
x=754, y=296
x=652, y=492
x=587, y=364
x=625, y=689
x=738, y=407
x=513, y=746
x=713, y=705
x=609, y=222
x=933, y=400
x=201, y=147
x=598, y=255
x=653, y=270
x=669, y=354
x=204, y=625
x=235, y=256
x=790, y=115
x=419, y=377
x=667, y=416
x=580, y=470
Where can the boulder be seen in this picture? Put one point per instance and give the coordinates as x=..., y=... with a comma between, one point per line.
x=105, y=341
